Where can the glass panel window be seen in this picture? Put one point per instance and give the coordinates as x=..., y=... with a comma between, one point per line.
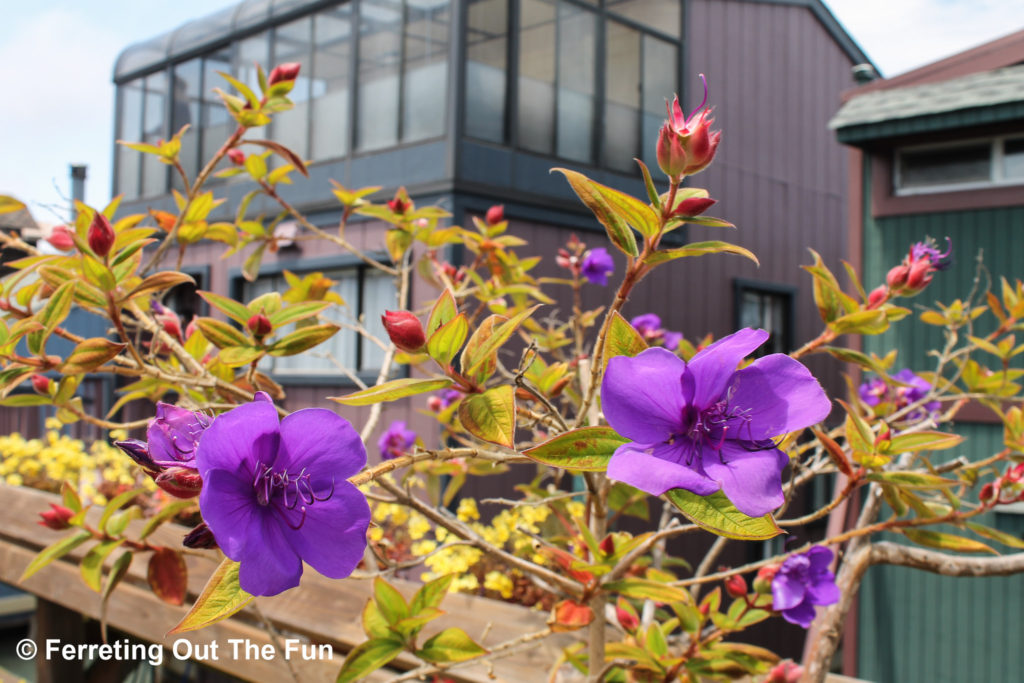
x=380, y=46
x=425, y=72
x=660, y=79
x=366, y=294
x=577, y=31
x=331, y=92
x=770, y=310
x=486, y=53
x=946, y=166
x=290, y=128
x=622, y=97
x=129, y=130
x=252, y=51
x=217, y=123
x=660, y=15
x=535, y=118
x=1013, y=159
x=185, y=110
x=154, y=129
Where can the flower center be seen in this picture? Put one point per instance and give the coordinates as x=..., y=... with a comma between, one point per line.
x=288, y=490
x=709, y=428
x=185, y=438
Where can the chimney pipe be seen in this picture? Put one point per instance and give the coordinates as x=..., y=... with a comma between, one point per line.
x=78, y=174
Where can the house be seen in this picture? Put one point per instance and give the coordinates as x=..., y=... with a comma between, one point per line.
x=939, y=151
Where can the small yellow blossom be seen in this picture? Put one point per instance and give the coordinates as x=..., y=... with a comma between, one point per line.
x=499, y=582
x=467, y=511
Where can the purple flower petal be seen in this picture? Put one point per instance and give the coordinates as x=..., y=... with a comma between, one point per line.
x=657, y=468
x=240, y=438
x=713, y=367
x=820, y=558
x=320, y=441
x=801, y=615
x=752, y=480
x=227, y=503
x=779, y=395
x=787, y=592
x=333, y=534
x=269, y=564
x=641, y=397
x=824, y=592
x=597, y=266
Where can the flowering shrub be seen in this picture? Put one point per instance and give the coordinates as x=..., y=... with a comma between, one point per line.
x=629, y=412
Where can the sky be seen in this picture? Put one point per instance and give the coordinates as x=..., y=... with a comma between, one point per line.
x=57, y=57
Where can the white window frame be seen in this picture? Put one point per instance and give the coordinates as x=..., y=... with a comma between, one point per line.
x=996, y=172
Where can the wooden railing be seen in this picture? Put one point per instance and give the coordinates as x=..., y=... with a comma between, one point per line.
x=319, y=611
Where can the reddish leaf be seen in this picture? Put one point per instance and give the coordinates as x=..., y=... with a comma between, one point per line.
x=168, y=576
x=570, y=616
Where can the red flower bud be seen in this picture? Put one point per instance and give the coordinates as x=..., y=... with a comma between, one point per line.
x=405, y=330
x=435, y=404
x=180, y=482
x=398, y=205
x=627, y=616
x=764, y=578
x=200, y=538
x=608, y=545
x=41, y=383
x=785, y=672
x=694, y=206
x=260, y=325
x=236, y=156
x=920, y=274
x=670, y=152
x=191, y=328
x=736, y=586
x=897, y=276
x=60, y=238
x=57, y=517
x=495, y=214
x=878, y=296
x=101, y=235
x=284, y=72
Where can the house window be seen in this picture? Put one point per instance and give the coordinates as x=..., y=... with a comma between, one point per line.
x=770, y=308
x=366, y=293
x=960, y=166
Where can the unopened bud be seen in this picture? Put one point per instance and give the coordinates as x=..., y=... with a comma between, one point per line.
x=41, y=384
x=626, y=616
x=878, y=296
x=736, y=586
x=897, y=276
x=180, y=482
x=284, y=72
x=57, y=517
x=260, y=325
x=60, y=238
x=236, y=156
x=405, y=330
x=495, y=214
x=785, y=672
x=101, y=235
x=987, y=493
x=608, y=545
x=694, y=206
x=670, y=152
x=919, y=275
x=764, y=578
x=435, y=404
x=200, y=538
x=139, y=452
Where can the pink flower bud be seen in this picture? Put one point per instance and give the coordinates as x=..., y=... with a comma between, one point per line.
x=236, y=156
x=41, y=384
x=627, y=619
x=686, y=145
x=764, y=578
x=495, y=214
x=260, y=325
x=405, y=330
x=694, y=206
x=670, y=152
x=897, y=276
x=191, y=328
x=57, y=517
x=919, y=275
x=101, y=235
x=435, y=404
x=736, y=586
x=785, y=672
x=878, y=296
x=200, y=538
x=180, y=482
x=284, y=72
x=60, y=238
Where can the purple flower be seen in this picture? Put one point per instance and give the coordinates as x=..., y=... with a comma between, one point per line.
x=802, y=582
x=910, y=389
x=648, y=325
x=703, y=425
x=275, y=493
x=396, y=440
x=928, y=251
x=597, y=266
x=672, y=340
x=450, y=396
x=172, y=437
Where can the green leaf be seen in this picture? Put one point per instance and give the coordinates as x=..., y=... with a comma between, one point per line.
x=944, y=541
x=717, y=514
x=996, y=535
x=303, y=339
x=479, y=350
x=10, y=204
x=630, y=209
x=389, y=601
x=586, y=449
x=251, y=267
x=412, y=625
x=166, y=513
x=912, y=480
x=91, y=354
x=367, y=657
x=237, y=356
x=392, y=391
x=491, y=416
x=297, y=312
x=26, y=400
x=861, y=322
x=229, y=307
x=70, y=497
x=444, y=310
x=220, y=333
x=117, y=572
x=53, y=314
x=652, y=192
x=645, y=589
x=829, y=297
x=699, y=249
x=374, y=623
x=221, y=597
x=431, y=594
x=450, y=645
x=159, y=282
x=242, y=88
x=92, y=563
x=923, y=441
x=55, y=552
x=618, y=232
x=445, y=343
x=855, y=357
x=622, y=339
x=116, y=504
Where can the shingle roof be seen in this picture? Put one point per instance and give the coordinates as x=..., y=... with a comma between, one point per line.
x=987, y=88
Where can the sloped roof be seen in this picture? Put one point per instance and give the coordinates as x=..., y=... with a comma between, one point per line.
x=19, y=220
x=984, y=89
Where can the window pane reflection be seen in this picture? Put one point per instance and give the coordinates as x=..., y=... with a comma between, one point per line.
x=425, y=78
x=577, y=29
x=130, y=130
x=622, y=97
x=185, y=110
x=380, y=42
x=486, y=46
x=154, y=127
x=660, y=81
x=535, y=119
x=330, y=86
x=291, y=44
x=217, y=123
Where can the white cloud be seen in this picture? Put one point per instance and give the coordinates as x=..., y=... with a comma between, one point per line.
x=900, y=35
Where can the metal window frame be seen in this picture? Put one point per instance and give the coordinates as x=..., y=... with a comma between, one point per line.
x=789, y=294
x=997, y=144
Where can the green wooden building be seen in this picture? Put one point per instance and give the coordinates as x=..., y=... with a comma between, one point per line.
x=939, y=152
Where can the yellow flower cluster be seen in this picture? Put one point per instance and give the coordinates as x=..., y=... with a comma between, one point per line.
x=55, y=458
